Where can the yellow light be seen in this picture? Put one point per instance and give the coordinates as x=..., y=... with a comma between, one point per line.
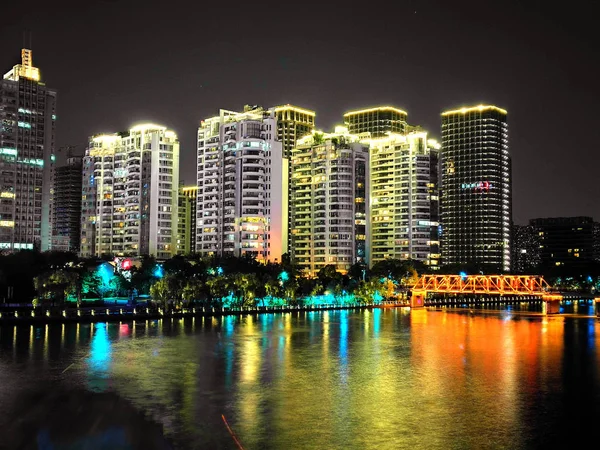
x=479, y=108
x=376, y=108
x=7, y=195
x=145, y=127
x=294, y=108
x=7, y=223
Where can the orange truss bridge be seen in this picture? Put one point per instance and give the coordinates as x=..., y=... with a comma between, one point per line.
x=493, y=285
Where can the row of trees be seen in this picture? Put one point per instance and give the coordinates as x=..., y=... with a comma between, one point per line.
x=54, y=277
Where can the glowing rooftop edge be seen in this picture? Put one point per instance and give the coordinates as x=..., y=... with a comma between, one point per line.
x=376, y=108
x=479, y=108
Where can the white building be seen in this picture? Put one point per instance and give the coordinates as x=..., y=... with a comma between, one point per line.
x=242, y=203
x=330, y=211
x=130, y=193
x=404, y=198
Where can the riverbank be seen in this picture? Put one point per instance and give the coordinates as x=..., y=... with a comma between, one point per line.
x=130, y=313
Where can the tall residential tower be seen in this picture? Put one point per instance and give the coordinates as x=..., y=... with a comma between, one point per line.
x=66, y=208
x=476, y=206
x=242, y=206
x=130, y=193
x=404, y=198
x=329, y=210
x=379, y=121
x=27, y=135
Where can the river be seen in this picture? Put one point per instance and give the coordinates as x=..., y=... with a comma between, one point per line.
x=368, y=379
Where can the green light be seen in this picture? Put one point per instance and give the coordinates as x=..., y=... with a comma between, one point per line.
x=52, y=157
x=53, y=116
x=24, y=125
x=8, y=151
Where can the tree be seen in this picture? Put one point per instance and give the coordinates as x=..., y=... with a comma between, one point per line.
x=159, y=292
x=55, y=284
x=193, y=290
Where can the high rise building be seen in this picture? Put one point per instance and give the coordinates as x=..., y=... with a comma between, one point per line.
x=186, y=239
x=330, y=216
x=476, y=206
x=242, y=204
x=566, y=242
x=525, y=249
x=130, y=193
x=27, y=134
x=293, y=123
x=66, y=210
x=379, y=121
x=404, y=198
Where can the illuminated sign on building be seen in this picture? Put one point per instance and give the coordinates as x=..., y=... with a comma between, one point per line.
x=479, y=186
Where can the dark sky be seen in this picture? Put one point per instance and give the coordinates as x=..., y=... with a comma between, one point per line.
x=116, y=63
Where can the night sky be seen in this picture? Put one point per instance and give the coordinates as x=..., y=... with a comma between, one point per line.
x=117, y=63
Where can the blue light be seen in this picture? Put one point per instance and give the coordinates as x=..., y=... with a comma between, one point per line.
x=284, y=276
x=463, y=275
x=100, y=357
x=158, y=271
x=219, y=271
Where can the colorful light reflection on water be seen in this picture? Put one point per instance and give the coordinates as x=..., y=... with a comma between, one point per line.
x=372, y=379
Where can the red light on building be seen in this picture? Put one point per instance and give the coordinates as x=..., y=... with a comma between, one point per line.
x=126, y=264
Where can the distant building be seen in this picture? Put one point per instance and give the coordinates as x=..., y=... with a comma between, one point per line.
x=186, y=226
x=242, y=206
x=404, y=198
x=66, y=211
x=330, y=216
x=293, y=123
x=566, y=242
x=476, y=205
x=130, y=193
x=27, y=140
x=525, y=248
x=379, y=121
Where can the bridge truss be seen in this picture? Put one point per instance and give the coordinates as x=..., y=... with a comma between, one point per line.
x=482, y=284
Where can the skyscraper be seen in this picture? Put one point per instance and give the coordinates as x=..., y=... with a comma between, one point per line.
x=378, y=121
x=28, y=115
x=66, y=210
x=476, y=206
x=330, y=216
x=404, y=198
x=242, y=204
x=130, y=193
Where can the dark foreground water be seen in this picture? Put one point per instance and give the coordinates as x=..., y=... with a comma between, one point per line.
x=379, y=379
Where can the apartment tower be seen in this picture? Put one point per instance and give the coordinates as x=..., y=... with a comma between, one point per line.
x=130, y=193
x=66, y=208
x=242, y=206
x=330, y=191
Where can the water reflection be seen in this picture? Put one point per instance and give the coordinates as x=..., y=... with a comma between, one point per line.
x=378, y=379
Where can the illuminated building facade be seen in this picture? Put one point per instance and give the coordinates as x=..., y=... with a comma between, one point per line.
x=293, y=123
x=568, y=243
x=330, y=216
x=130, y=193
x=186, y=225
x=27, y=139
x=379, y=121
x=66, y=208
x=404, y=198
x=476, y=203
x=242, y=206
